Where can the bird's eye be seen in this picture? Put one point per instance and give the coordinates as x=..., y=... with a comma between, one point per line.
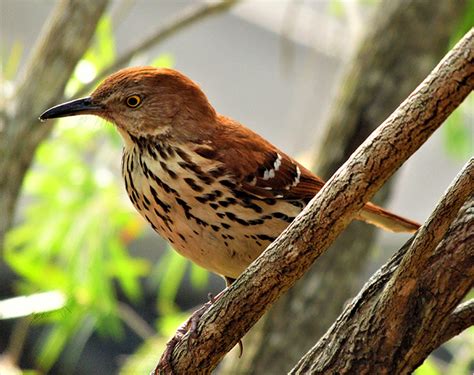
x=133, y=101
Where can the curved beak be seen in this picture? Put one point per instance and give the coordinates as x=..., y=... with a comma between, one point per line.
x=83, y=106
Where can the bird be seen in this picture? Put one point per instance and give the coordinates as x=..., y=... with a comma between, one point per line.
x=218, y=192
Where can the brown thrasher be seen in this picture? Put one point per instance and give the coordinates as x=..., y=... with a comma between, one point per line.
x=217, y=191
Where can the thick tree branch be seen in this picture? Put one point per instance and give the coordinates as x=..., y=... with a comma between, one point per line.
x=363, y=323
x=408, y=282
x=188, y=17
x=311, y=233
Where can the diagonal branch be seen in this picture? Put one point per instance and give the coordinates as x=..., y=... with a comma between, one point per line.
x=361, y=341
x=311, y=233
x=415, y=280
x=188, y=17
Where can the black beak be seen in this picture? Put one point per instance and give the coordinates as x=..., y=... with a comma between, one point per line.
x=74, y=107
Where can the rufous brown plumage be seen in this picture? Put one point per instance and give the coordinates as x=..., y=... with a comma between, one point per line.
x=217, y=191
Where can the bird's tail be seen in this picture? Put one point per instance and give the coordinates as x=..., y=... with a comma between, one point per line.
x=386, y=220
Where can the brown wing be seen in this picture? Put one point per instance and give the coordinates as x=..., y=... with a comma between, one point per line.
x=260, y=168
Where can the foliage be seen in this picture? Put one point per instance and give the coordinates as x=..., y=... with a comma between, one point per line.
x=459, y=131
x=75, y=227
x=465, y=24
x=77, y=222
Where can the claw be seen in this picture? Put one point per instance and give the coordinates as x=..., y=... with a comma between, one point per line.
x=165, y=360
x=189, y=326
x=241, y=348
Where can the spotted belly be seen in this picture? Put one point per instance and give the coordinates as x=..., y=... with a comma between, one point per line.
x=197, y=207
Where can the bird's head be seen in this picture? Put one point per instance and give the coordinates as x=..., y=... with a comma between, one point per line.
x=144, y=101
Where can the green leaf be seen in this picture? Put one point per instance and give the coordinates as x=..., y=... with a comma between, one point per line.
x=13, y=61
x=105, y=42
x=170, y=272
x=459, y=131
x=336, y=8
x=199, y=277
x=127, y=270
x=169, y=323
x=54, y=341
x=466, y=23
x=143, y=361
x=427, y=368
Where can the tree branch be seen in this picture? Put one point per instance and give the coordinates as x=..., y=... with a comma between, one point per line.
x=397, y=302
x=188, y=17
x=459, y=320
x=361, y=340
x=311, y=233
x=389, y=322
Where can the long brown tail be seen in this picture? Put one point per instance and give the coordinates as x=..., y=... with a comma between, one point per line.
x=386, y=220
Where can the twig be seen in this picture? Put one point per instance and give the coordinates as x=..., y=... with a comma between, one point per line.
x=188, y=17
x=135, y=321
x=311, y=233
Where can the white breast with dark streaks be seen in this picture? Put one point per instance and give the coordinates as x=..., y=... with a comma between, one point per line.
x=202, y=215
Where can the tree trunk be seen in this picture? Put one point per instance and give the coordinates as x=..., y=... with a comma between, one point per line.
x=394, y=57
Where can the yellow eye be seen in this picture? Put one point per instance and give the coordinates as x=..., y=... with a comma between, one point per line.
x=134, y=101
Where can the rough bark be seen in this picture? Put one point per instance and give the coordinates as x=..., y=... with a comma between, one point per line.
x=61, y=44
x=327, y=215
x=409, y=307
x=391, y=61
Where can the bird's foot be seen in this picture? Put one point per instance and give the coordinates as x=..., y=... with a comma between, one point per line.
x=164, y=365
x=193, y=321
x=190, y=326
